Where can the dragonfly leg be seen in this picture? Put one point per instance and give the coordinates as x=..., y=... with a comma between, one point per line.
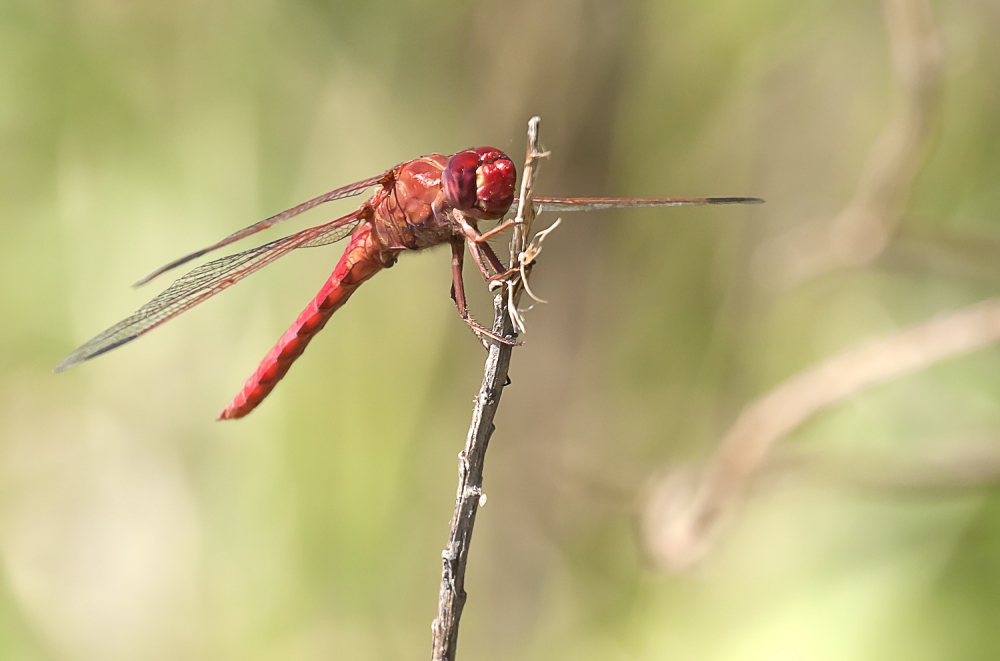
x=458, y=295
x=504, y=275
x=480, y=249
x=491, y=257
x=486, y=236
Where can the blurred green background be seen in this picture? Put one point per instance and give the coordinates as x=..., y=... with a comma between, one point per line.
x=133, y=526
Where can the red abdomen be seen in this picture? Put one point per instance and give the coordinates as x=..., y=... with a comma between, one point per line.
x=360, y=261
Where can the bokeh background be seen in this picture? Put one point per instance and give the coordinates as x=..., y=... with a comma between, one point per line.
x=133, y=526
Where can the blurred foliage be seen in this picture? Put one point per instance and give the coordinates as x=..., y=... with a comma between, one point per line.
x=132, y=526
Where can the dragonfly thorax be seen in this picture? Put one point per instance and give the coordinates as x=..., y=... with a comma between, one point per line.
x=416, y=206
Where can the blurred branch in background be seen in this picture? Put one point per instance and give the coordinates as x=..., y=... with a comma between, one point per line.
x=684, y=510
x=862, y=230
x=949, y=468
x=451, y=599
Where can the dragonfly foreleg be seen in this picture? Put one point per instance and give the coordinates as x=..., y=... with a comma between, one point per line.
x=458, y=295
x=480, y=249
x=491, y=257
x=486, y=236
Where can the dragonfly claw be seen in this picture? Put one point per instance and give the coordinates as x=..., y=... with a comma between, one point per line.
x=483, y=334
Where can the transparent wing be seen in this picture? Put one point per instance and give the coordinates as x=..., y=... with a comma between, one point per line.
x=338, y=194
x=206, y=281
x=558, y=204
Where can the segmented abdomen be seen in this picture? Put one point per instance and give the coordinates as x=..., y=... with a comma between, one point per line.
x=359, y=262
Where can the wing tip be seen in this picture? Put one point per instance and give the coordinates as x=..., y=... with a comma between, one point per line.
x=66, y=363
x=736, y=200
x=144, y=280
x=167, y=267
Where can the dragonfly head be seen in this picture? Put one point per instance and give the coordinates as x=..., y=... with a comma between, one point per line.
x=480, y=182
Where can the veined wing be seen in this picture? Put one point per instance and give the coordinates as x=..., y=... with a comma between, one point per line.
x=338, y=194
x=206, y=281
x=599, y=203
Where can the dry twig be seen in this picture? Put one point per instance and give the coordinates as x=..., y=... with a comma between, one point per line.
x=506, y=320
x=684, y=509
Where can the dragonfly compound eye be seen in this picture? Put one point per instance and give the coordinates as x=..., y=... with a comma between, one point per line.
x=494, y=182
x=459, y=179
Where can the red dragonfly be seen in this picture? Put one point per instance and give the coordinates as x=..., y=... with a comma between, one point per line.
x=425, y=202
